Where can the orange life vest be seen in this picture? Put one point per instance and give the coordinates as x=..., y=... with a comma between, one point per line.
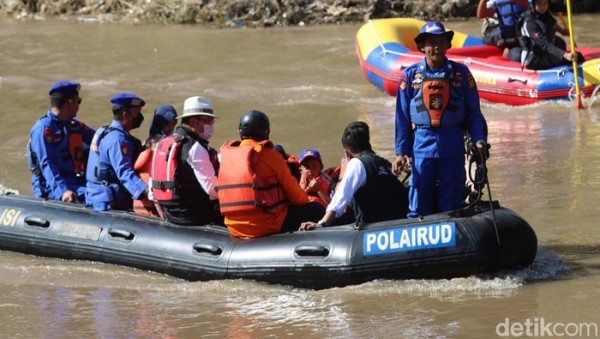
x=142, y=167
x=77, y=153
x=436, y=96
x=240, y=190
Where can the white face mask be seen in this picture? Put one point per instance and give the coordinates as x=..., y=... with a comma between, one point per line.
x=209, y=130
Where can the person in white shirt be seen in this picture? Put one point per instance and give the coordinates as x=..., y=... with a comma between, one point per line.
x=368, y=185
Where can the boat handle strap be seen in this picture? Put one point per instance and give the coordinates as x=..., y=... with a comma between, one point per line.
x=38, y=222
x=207, y=248
x=121, y=234
x=312, y=251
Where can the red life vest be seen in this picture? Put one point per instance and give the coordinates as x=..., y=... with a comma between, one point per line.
x=240, y=190
x=142, y=167
x=164, y=165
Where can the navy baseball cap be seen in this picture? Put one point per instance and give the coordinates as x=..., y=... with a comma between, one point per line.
x=308, y=153
x=166, y=111
x=127, y=100
x=434, y=28
x=66, y=88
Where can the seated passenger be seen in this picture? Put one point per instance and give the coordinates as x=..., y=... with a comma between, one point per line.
x=185, y=168
x=143, y=165
x=257, y=193
x=292, y=162
x=368, y=184
x=111, y=181
x=500, y=25
x=164, y=120
x=313, y=180
x=58, y=146
x=542, y=49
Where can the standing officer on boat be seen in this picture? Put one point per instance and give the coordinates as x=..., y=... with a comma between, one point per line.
x=58, y=145
x=112, y=182
x=437, y=101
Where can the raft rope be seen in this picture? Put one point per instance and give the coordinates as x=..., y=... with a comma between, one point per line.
x=480, y=180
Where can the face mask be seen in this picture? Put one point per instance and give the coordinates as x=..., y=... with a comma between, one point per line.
x=137, y=122
x=209, y=130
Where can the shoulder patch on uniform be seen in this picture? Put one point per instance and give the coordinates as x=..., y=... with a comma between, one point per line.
x=471, y=81
x=123, y=148
x=402, y=82
x=48, y=135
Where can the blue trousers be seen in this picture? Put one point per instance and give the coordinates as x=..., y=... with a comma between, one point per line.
x=436, y=185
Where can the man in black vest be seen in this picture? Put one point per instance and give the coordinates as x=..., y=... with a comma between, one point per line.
x=368, y=184
x=195, y=200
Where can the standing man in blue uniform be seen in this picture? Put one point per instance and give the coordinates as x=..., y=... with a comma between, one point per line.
x=437, y=103
x=58, y=145
x=112, y=182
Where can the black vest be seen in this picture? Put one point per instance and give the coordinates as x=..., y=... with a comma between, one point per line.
x=382, y=197
x=193, y=206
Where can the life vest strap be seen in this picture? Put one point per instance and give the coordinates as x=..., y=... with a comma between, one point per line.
x=163, y=185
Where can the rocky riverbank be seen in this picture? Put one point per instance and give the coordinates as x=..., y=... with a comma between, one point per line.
x=237, y=13
x=244, y=13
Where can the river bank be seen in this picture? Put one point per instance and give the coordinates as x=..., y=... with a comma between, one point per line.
x=246, y=13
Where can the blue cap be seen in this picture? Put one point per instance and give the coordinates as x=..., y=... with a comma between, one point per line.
x=310, y=153
x=67, y=88
x=163, y=115
x=434, y=28
x=127, y=100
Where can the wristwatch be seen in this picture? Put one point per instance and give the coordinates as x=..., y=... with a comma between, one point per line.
x=321, y=223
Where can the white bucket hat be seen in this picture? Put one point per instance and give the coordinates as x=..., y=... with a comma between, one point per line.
x=197, y=106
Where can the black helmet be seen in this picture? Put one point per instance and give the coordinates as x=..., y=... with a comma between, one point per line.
x=254, y=125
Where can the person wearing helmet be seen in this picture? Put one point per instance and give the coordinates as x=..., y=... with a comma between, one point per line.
x=542, y=49
x=437, y=102
x=186, y=191
x=258, y=195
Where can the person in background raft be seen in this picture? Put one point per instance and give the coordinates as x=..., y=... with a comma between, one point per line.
x=500, y=25
x=257, y=193
x=439, y=98
x=542, y=49
x=164, y=120
x=58, y=145
x=368, y=184
x=186, y=192
x=112, y=182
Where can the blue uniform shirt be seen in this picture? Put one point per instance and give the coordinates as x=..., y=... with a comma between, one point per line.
x=112, y=182
x=51, y=159
x=446, y=140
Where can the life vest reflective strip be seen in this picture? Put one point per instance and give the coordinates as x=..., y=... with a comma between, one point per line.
x=142, y=167
x=240, y=190
x=164, y=165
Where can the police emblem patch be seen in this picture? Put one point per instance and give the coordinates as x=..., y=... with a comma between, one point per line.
x=124, y=149
x=435, y=102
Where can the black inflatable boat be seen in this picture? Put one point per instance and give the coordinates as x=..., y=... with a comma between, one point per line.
x=461, y=243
